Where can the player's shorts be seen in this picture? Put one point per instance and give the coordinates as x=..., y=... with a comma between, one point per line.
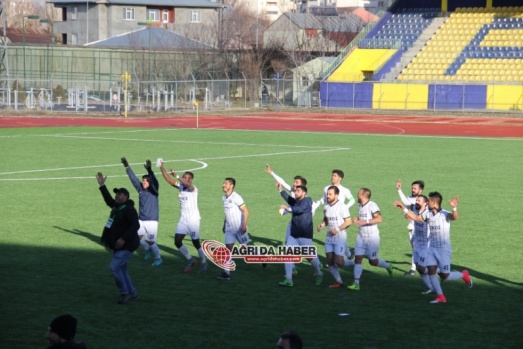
x=148, y=229
x=367, y=246
x=440, y=257
x=232, y=236
x=419, y=255
x=336, y=244
x=189, y=227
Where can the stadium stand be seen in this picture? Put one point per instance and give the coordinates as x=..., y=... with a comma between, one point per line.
x=464, y=52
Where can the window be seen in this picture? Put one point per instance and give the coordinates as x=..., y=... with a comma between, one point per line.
x=74, y=15
x=304, y=81
x=153, y=15
x=195, y=16
x=165, y=16
x=74, y=39
x=128, y=14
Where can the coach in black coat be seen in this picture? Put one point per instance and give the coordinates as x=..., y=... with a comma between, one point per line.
x=120, y=234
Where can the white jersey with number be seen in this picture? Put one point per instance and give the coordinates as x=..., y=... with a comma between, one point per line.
x=336, y=215
x=188, y=203
x=439, y=228
x=367, y=211
x=233, y=213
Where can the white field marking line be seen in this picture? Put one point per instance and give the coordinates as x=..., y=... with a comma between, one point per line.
x=204, y=165
x=193, y=142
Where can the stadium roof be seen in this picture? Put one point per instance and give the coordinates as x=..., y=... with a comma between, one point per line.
x=154, y=38
x=172, y=3
x=345, y=22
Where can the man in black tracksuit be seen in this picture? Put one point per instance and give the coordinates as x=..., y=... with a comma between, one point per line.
x=120, y=234
x=301, y=230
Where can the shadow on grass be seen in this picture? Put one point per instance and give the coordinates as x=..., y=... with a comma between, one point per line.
x=85, y=234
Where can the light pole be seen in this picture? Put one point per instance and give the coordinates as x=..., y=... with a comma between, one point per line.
x=87, y=21
x=23, y=36
x=147, y=25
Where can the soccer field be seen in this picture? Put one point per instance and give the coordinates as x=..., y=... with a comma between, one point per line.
x=53, y=215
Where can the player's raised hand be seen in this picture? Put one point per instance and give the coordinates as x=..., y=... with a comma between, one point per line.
x=101, y=179
x=398, y=204
x=268, y=169
x=454, y=202
x=147, y=165
x=124, y=162
x=398, y=184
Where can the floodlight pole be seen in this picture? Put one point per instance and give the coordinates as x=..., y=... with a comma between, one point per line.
x=23, y=37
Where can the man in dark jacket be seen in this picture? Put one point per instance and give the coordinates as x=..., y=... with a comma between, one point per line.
x=301, y=229
x=120, y=234
x=61, y=332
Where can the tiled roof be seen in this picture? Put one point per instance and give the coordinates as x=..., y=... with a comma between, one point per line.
x=155, y=38
x=32, y=36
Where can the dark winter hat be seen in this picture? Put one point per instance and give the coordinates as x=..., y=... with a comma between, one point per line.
x=121, y=190
x=64, y=326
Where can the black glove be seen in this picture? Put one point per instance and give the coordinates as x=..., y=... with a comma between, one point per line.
x=124, y=162
x=147, y=165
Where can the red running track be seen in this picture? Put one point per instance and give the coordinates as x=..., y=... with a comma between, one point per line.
x=370, y=124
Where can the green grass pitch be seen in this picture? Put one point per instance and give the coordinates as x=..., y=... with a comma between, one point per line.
x=52, y=217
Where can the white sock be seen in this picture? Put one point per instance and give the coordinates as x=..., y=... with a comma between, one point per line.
x=358, y=270
x=202, y=255
x=426, y=280
x=383, y=264
x=413, y=265
x=335, y=273
x=436, y=286
x=156, y=250
x=454, y=275
x=348, y=262
x=183, y=250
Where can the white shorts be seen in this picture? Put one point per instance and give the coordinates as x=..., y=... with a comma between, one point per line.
x=368, y=246
x=232, y=236
x=149, y=229
x=411, y=235
x=440, y=257
x=189, y=227
x=336, y=244
x=419, y=255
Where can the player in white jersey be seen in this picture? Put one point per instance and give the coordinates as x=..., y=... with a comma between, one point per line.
x=439, y=252
x=368, y=240
x=345, y=194
x=409, y=201
x=189, y=222
x=420, y=239
x=337, y=220
x=284, y=209
x=235, y=222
